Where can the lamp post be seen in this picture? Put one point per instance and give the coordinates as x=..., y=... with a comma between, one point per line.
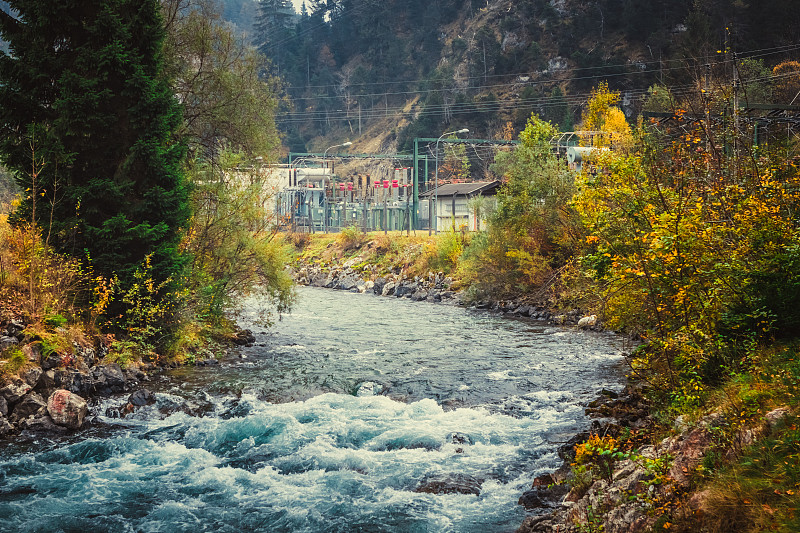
x=325, y=166
x=436, y=175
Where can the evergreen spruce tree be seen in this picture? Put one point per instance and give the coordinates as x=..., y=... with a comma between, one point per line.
x=87, y=124
x=275, y=34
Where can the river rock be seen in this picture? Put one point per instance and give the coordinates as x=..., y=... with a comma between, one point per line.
x=544, y=493
x=3, y=406
x=369, y=388
x=244, y=338
x=388, y=289
x=318, y=279
x=14, y=390
x=67, y=409
x=142, y=397
x=420, y=295
x=347, y=283
x=378, y=286
x=72, y=380
x=461, y=438
x=406, y=289
x=450, y=484
x=31, y=405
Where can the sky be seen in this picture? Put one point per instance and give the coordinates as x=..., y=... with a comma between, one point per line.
x=297, y=5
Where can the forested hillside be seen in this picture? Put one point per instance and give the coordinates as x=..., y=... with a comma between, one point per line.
x=482, y=63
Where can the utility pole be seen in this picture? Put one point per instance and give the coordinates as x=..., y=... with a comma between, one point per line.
x=707, y=105
x=735, y=117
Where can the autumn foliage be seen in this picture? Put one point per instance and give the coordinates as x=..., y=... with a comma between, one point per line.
x=693, y=247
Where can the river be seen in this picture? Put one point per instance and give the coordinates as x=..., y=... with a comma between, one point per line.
x=329, y=423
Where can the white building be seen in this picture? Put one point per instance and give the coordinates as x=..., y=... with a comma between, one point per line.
x=456, y=208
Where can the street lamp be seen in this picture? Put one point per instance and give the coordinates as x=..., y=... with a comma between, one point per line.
x=436, y=186
x=325, y=166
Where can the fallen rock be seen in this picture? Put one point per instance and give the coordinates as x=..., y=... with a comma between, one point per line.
x=15, y=390
x=43, y=424
x=67, y=409
x=51, y=361
x=108, y=379
x=32, y=375
x=776, y=416
x=31, y=405
x=5, y=426
x=47, y=381
x=32, y=352
x=7, y=342
x=688, y=451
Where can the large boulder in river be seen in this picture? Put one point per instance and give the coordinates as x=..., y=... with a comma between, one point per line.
x=142, y=397
x=67, y=408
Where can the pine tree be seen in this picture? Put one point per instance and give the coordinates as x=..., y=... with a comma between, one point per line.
x=275, y=31
x=84, y=103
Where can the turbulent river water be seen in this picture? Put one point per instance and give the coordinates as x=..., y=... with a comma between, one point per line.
x=330, y=423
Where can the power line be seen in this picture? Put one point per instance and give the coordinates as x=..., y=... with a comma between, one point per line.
x=762, y=52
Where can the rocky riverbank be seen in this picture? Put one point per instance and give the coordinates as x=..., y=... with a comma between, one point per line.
x=638, y=487
x=435, y=287
x=54, y=388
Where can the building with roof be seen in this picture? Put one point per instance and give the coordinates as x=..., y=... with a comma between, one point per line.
x=455, y=206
